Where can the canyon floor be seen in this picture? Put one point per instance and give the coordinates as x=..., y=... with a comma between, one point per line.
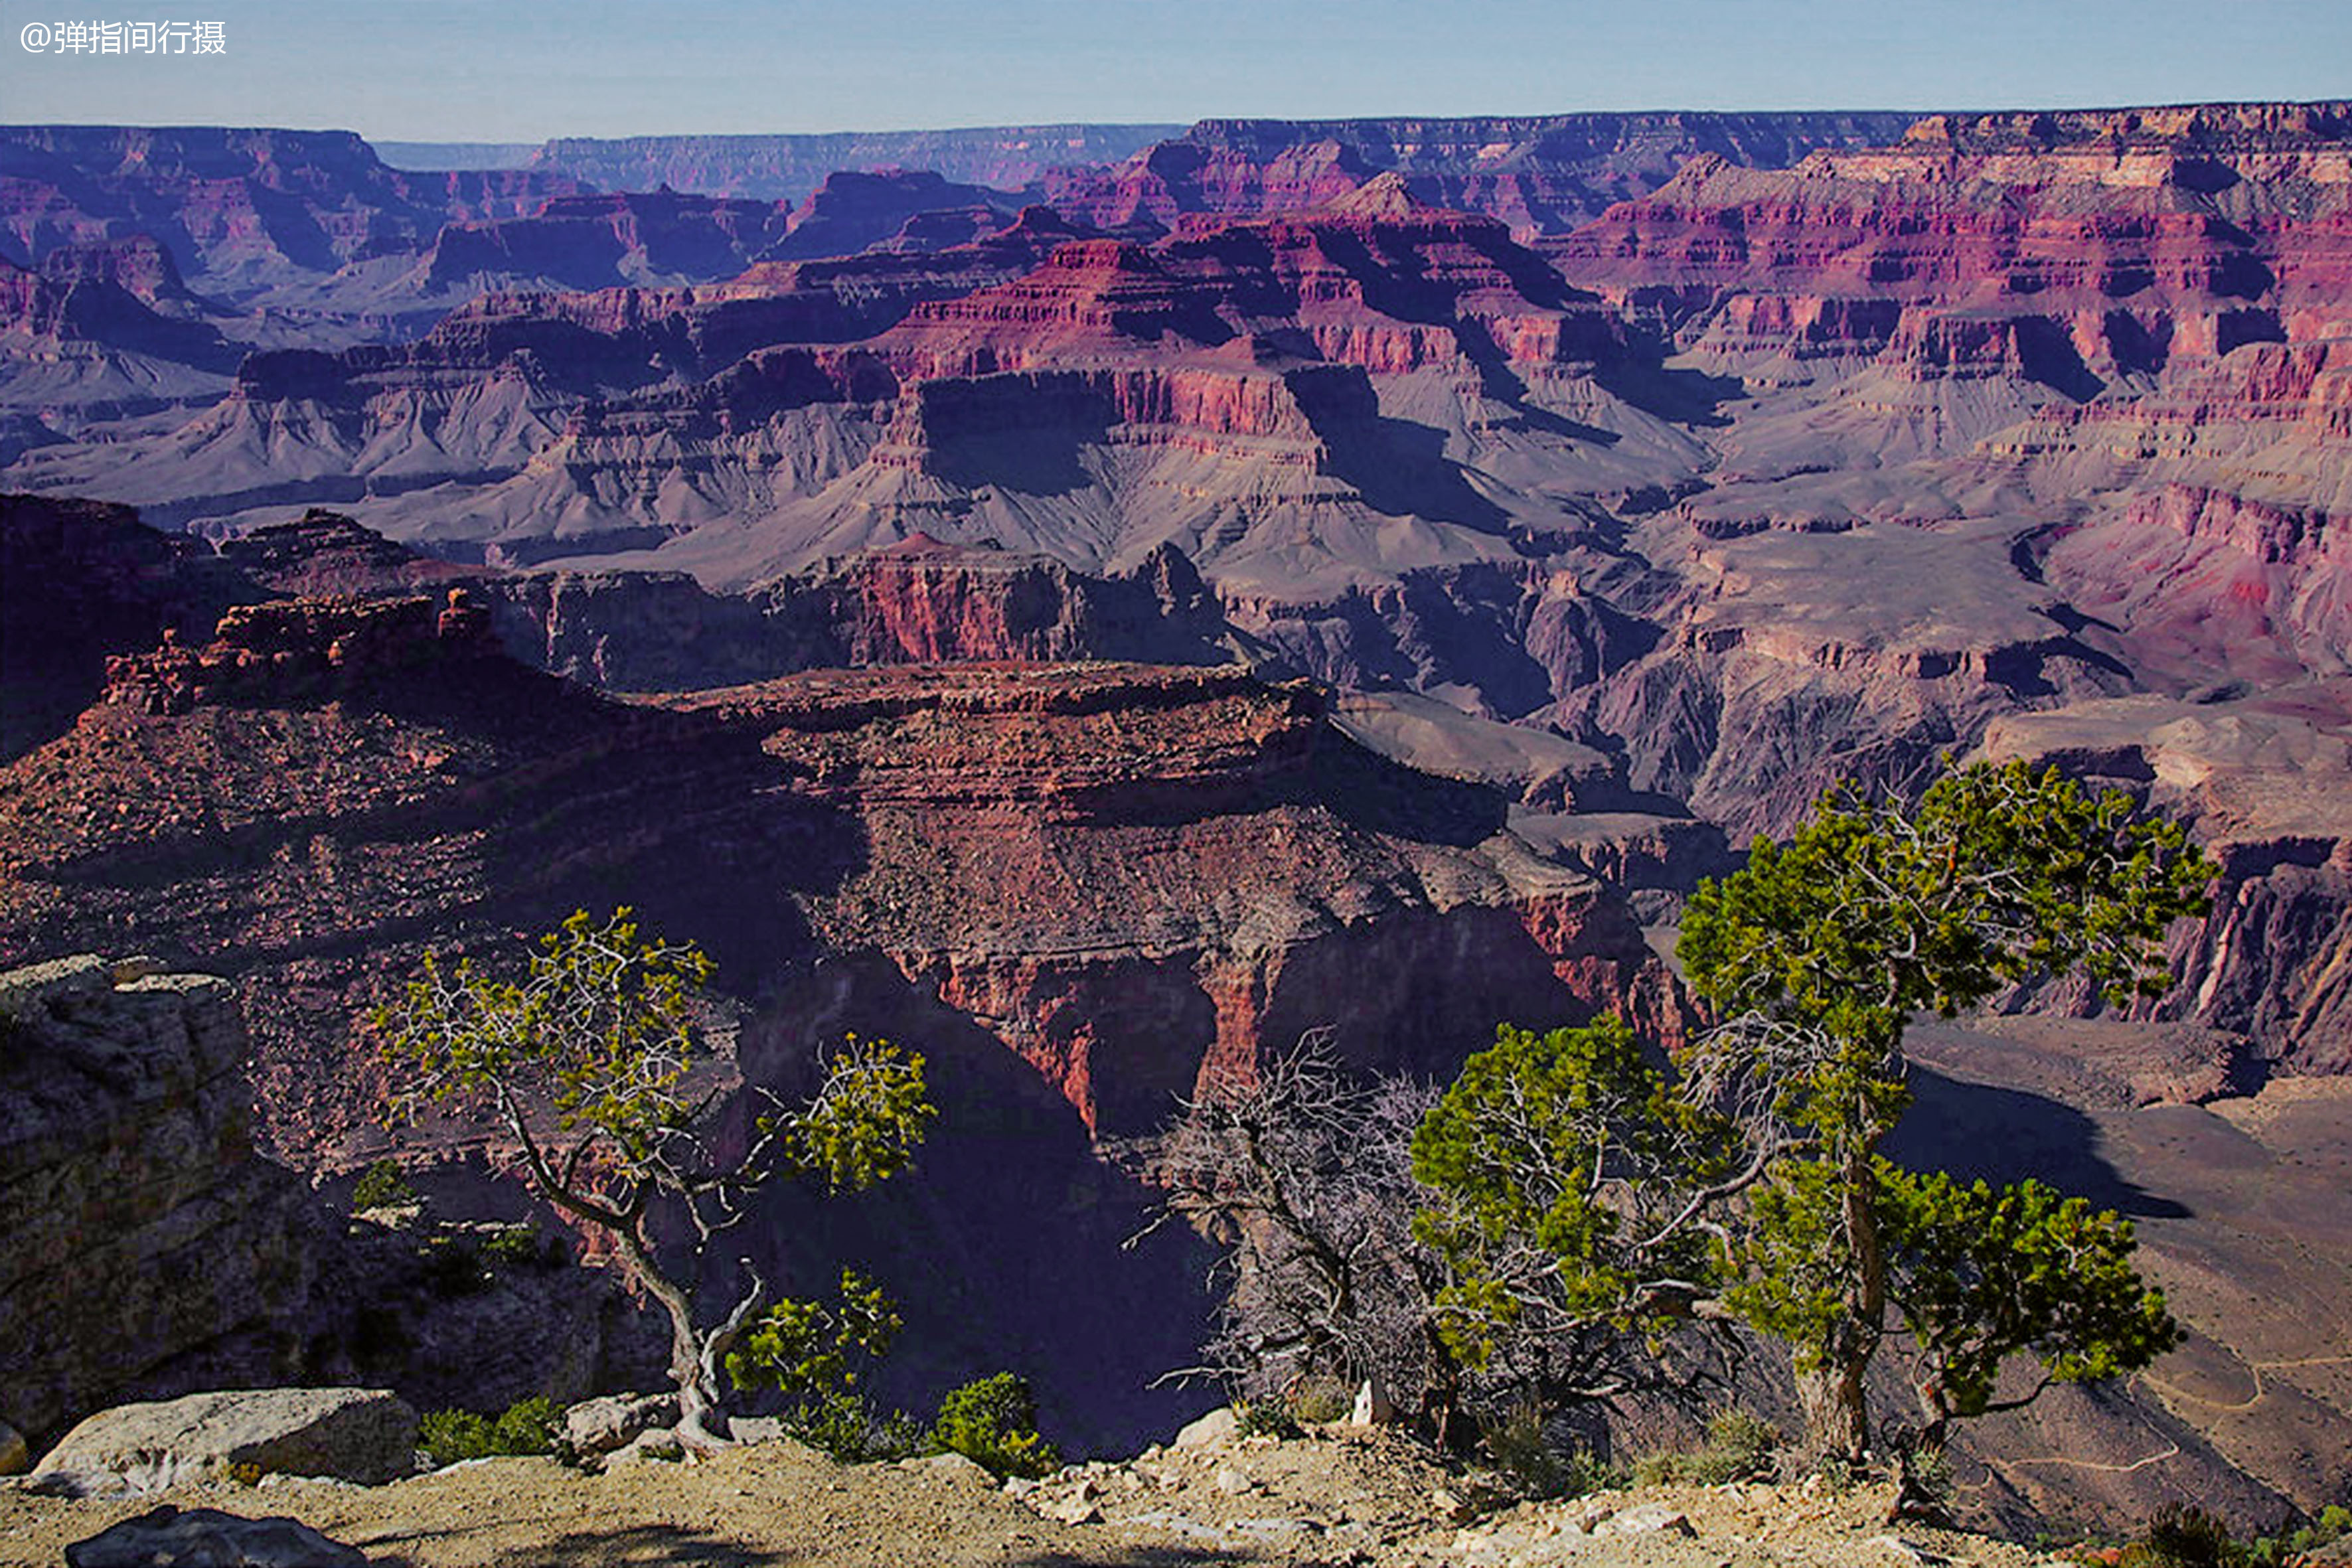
x=1317, y=1500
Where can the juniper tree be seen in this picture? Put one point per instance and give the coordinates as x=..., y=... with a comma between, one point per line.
x=584, y=1062
x=1813, y=959
x=1570, y=1195
x=1584, y=1194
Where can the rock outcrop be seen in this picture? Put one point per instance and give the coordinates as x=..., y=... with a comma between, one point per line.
x=790, y=168
x=365, y=1434
x=1539, y=173
x=209, y=1535
x=149, y=1246
x=240, y=209
x=2266, y=782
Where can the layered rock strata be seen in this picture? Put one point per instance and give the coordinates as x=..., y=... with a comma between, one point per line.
x=150, y=1249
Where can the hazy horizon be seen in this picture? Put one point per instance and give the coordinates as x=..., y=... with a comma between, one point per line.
x=525, y=71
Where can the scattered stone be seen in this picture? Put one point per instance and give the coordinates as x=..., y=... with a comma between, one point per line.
x=596, y=1427
x=209, y=1537
x=655, y=1443
x=1647, y=1519
x=1231, y=1480
x=1215, y=1430
x=756, y=1428
x=1373, y=1406
x=1072, y=1509
x=951, y=1466
x=357, y=1433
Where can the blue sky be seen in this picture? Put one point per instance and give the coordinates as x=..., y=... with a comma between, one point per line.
x=520, y=70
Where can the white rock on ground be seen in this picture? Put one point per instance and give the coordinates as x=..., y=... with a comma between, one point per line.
x=952, y=1466
x=1215, y=1429
x=353, y=1434
x=601, y=1425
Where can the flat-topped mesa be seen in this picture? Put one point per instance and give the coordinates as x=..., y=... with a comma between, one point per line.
x=1539, y=174
x=290, y=649
x=925, y=602
x=2266, y=126
x=586, y=241
x=1072, y=742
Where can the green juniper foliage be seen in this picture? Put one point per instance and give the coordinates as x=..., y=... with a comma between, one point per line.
x=382, y=1186
x=1814, y=958
x=814, y=1354
x=1561, y=1169
x=1584, y=1198
x=526, y=1426
x=993, y=1422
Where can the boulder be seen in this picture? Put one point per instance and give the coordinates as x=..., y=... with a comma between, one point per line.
x=756, y=1428
x=353, y=1434
x=207, y=1537
x=1215, y=1430
x=604, y=1426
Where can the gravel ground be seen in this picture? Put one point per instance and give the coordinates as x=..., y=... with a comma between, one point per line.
x=1362, y=1501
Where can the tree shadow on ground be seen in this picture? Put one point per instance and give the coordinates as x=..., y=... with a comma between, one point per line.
x=1983, y=1130
x=1132, y=1557
x=653, y=1545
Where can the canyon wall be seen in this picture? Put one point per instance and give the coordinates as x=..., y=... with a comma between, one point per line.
x=151, y=1250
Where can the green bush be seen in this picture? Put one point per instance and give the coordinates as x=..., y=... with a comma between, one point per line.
x=1264, y=1418
x=993, y=1422
x=2183, y=1535
x=526, y=1426
x=1516, y=1444
x=2334, y=1523
x=382, y=1186
x=519, y=1246
x=852, y=1430
x=814, y=1352
x=1320, y=1401
x=1739, y=1448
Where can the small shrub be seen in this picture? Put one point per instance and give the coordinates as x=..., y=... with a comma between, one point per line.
x=1587, y=1472
x=381, y=1186
x=1320, y=1401
x=518, y=1246
x=1264, y=1418
x=246, y=1474
x=2183, y=1535
x=1516, y=1444
x=852, y=1430
x=813, y=1353
x=1657, y=1469
x=2333, y=1523
x=993, y=1422
x=1739, y=1448
x=526, y=1426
